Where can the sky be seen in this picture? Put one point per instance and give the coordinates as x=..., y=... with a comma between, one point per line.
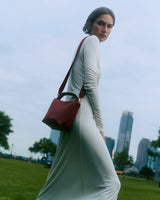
x=37, y=44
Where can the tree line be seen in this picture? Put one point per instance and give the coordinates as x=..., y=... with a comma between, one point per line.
x=5, y=129
x=46, y=147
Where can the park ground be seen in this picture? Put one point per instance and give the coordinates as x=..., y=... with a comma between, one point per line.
x=21, y=180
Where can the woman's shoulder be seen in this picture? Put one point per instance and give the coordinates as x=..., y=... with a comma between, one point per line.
x=92, y=40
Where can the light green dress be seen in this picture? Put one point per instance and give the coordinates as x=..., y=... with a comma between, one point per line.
x=82, y=168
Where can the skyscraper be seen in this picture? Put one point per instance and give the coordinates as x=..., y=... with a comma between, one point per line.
x=54, y=136
x=110, y=145
x=125, y=130
x=142, y=154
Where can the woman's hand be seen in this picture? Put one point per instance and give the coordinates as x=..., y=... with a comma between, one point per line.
x=102, y=134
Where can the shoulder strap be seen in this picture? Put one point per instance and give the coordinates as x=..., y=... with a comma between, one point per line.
x=67, y=76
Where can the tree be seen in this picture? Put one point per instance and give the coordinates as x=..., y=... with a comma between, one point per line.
x=122, y=160
x=44, y=146
x=147, y=172
x=152, y=152
x=156, y=143
x=5, y=129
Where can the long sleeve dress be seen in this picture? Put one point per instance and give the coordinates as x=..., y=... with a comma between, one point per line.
x=82, y=168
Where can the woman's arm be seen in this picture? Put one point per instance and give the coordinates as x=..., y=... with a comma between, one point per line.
x=91, y=49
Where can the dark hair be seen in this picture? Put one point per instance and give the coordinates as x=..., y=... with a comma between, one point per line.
x=94, y=15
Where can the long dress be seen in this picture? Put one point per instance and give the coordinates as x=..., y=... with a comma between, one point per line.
x=82, y=168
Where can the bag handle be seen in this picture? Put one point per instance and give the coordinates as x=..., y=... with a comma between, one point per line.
x=81, y=94
x=67, y=93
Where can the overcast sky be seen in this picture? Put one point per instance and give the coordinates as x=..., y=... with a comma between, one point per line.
x=37, y=44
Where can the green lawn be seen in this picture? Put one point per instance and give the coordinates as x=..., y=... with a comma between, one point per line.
x=20, y=180
x=138, y=189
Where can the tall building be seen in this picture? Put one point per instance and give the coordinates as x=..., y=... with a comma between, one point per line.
x=110, y=145
x=125, y=130
x=54, y=136
x=142, y=153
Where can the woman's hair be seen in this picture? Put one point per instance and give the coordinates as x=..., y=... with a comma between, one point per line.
x=94, y=15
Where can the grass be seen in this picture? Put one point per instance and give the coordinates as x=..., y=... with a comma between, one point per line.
x=139, y=189
x=20, y=180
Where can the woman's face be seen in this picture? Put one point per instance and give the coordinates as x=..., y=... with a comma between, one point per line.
x=102, y=27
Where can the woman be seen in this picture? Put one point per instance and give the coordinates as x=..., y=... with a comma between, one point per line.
x=82, y=168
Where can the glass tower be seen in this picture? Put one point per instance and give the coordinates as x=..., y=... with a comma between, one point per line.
x=110, y=145
x=125, y=130
x=142, y=153
x=54, y=136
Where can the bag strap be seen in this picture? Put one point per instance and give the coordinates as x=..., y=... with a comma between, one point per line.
x=67, y=76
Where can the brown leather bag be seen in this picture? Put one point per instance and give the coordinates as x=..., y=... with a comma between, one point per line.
x=61, y=114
